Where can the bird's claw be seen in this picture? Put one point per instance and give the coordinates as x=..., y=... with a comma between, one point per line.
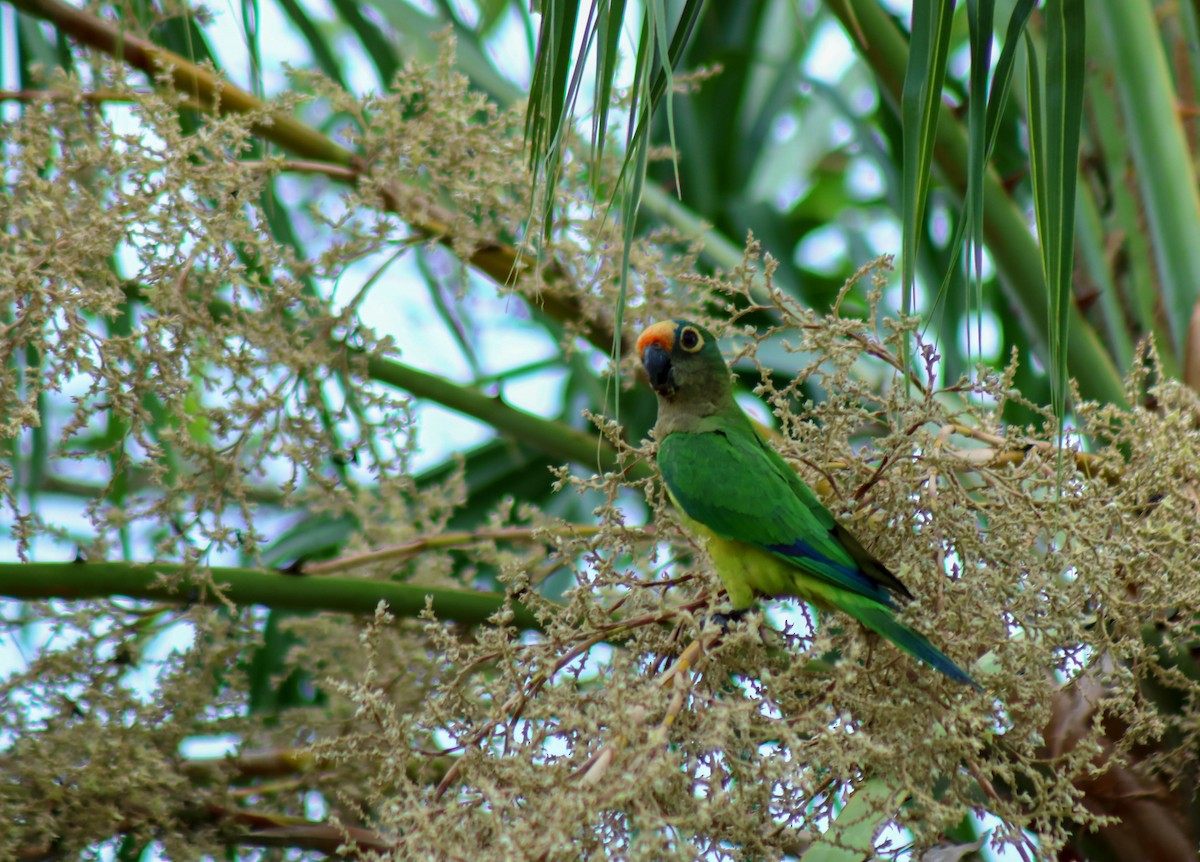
x=725, y=620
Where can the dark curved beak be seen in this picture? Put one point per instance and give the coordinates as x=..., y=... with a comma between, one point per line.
x=657, y=363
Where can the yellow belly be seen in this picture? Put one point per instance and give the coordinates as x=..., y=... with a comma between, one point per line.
x=747, y=571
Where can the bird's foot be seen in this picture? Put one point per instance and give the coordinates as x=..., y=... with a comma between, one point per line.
x=725, y=620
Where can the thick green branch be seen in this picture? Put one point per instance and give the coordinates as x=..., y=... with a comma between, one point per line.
x=250, y=587
x=553, y=438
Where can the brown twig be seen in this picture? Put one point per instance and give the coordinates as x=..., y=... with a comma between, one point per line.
x=465, y=538
x=335, y=172
x=677, y=675
x=96, y=97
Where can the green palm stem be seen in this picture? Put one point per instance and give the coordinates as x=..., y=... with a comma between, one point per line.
x=244, y=586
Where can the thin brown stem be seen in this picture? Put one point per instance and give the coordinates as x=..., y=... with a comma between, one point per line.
x=465, y=538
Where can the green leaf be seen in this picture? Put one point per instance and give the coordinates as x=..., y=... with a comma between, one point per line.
x=548, y=111
x=32, y=48
x=607, y=59
x=274, y=684
x=1054, y=158
x=491, y=13
x=1163, y=161
x=1013, y=249
x=851, y=835
x=418, y=29
x=920, y=107
x=182, y=35
x=317, y=43
x=1002, y=78
x=985, y=109
x=980, y=14
x=314, y=537
x=379, y=47
x=450, y=313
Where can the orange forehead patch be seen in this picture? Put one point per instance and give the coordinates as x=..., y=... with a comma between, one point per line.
x=661, y=333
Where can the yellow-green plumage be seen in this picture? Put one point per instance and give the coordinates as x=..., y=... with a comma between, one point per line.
x=767, y=533
x=746, y=571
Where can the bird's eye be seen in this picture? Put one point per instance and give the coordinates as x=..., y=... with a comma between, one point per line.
x=690, y=340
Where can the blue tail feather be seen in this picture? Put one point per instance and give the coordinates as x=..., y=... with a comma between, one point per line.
x=881, y=620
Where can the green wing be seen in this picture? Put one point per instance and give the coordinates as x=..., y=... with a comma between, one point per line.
x=732, y=482
x=729, y=480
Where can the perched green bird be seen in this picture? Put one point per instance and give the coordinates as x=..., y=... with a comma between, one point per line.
x=766, y=531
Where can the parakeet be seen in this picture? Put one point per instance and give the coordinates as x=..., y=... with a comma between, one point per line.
x=766, y=531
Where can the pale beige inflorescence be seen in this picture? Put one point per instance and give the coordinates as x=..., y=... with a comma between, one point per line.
x=1031, y=563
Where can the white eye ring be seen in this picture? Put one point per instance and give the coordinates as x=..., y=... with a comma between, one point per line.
x=697, y=341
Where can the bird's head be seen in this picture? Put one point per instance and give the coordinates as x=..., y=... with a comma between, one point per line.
x=683, y=362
